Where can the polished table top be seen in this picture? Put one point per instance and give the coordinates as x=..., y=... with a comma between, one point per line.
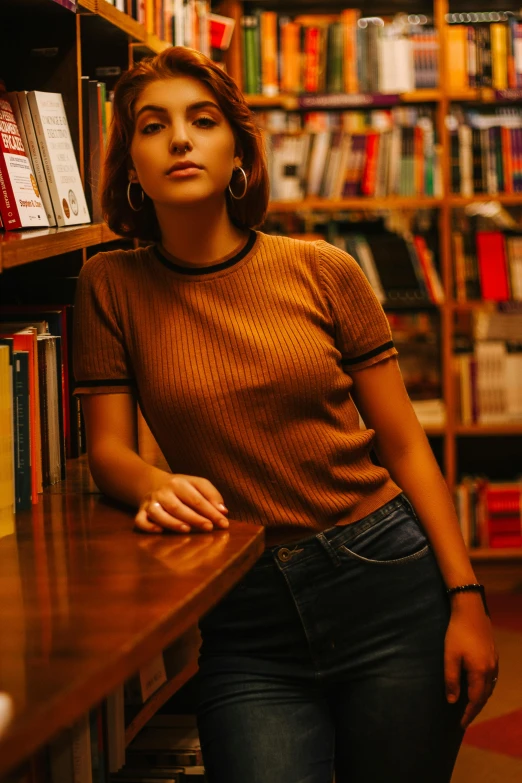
x=85, y=601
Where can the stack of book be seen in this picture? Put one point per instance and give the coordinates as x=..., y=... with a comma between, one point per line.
x=40, y=182
x=485, y=150
x=488, y=369
x=490, y=512
x=374, y=154
x=167, y=748
x=485, y=51
x=337, y=53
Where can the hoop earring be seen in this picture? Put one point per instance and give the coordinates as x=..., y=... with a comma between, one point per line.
x=131, y=205
x=245, y=185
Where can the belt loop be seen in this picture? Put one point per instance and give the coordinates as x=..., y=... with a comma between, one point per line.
x=330, y=551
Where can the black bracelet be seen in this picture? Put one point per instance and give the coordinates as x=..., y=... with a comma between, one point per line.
x=475, y=587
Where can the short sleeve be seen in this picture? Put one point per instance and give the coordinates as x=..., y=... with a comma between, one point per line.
x=100, y=359
x=362, y=331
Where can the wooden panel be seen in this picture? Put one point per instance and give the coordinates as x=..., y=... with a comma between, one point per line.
x=333, y=205
x=91, y=601
x=21, y=247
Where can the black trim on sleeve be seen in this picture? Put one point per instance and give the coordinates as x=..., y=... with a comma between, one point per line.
x=369, y=355
x=108, y=382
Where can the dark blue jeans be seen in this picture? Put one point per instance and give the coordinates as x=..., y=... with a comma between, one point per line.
x=328, y=656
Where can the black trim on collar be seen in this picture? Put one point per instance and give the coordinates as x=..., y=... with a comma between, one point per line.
x=206, y=270
x=369, y=355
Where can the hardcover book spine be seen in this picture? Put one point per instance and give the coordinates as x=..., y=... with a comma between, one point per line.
x=34, y=151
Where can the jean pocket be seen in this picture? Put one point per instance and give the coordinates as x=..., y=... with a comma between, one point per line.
x=396, y=540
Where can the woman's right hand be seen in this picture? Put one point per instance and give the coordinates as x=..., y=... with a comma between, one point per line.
x=182, y=504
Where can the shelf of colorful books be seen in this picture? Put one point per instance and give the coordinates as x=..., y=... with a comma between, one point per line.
x=509, y=199
x=484, y=554
x=359, y=202
x=513, y=428
x=21, y=247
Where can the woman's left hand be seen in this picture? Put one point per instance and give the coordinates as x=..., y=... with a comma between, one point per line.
x=470, y=648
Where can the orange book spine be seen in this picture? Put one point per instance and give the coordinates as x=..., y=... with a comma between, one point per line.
x=269, y=53
x=456, y=41
x=149, y=16
x=349, y=19
x=369, y=176
x=291, y=57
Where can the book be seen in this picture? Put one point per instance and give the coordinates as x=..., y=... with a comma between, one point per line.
x=25, y=121
x=7, y=484
x=491, y=256
x=22, y=452
x=21, y=205
x=58, y=157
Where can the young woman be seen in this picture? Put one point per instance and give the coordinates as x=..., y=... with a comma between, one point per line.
x=248, y=353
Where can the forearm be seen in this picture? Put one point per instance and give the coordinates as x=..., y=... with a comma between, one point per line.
x=415, y=470
x=121, y=473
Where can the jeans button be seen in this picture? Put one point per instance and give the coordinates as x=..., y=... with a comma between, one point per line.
x=284, y=554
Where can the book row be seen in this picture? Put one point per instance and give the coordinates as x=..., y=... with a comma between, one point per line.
x=43, y=417
x=181, y=22
x=40, y=183
x=487, y=366
x=487, y=265
x=490, y=512
x=397, y=156
x=339, y=53
x=486, y=151
x=485, y=54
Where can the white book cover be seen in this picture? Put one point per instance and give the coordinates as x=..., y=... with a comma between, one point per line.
x=58, y=157
x=321, y=143
x=21, y=205
x=21, y=109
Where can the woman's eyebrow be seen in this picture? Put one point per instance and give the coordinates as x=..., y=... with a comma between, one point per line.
x=191, y=107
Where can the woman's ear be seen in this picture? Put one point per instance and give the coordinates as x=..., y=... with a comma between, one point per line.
x=133, y=177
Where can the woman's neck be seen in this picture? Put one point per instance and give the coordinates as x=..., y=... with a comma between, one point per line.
x=197, y=240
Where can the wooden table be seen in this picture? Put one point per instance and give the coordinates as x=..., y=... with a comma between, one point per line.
x=85, y=602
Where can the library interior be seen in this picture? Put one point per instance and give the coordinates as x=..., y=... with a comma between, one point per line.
x=393, y=133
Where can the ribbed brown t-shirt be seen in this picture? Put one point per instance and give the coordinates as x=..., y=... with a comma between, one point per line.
x=243, y=372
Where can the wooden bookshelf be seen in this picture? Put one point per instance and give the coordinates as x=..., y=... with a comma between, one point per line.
x=486, y=555
x=126, y=24
x=514, y=428
x=72, y=572
x=22, y=247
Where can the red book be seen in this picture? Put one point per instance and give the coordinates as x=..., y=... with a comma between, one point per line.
x=20, y=202
x=369, y=176
x=25, y=340
x=493, y=273
x=311, y=59
x=503, y=509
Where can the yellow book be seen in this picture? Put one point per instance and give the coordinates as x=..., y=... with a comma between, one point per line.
x=457, y=54
x=291, y=61
x=498, y=32
x=7, y=492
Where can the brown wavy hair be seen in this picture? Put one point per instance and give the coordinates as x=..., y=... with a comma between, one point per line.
x=248, y=212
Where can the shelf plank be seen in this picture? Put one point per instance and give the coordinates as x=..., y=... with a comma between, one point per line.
x=290, y=102
x=487, y=555
x=183, y=656
x=71, y=573
x=513, y=199
x=515, y=428
x=21, y=247
x=121, y=20
x=359, y=202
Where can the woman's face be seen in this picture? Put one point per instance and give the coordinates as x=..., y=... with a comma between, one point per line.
x=178, y=121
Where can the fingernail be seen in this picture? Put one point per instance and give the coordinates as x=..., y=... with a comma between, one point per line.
x=208, y=526
x=222, y=507
x=185, y=529
x=223, y=522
